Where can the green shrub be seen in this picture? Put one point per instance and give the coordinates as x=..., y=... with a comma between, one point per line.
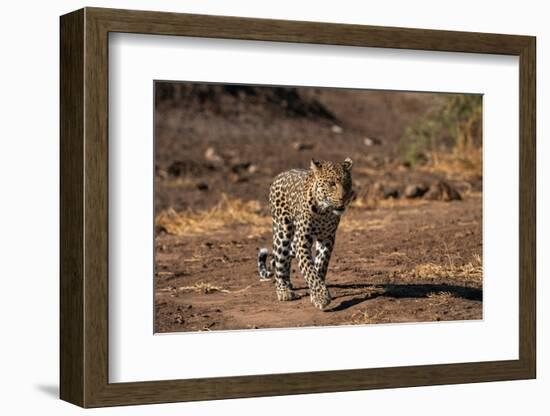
x=451, y=125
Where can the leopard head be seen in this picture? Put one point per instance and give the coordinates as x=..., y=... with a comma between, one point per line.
x=332, y=187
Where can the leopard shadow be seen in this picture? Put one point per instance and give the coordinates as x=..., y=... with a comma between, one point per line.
x=399, y=291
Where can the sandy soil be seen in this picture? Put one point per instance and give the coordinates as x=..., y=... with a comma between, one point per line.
x=370, y=276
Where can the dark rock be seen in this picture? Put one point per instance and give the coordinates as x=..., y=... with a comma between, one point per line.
x=177, y=168
x=241, y=166
x=379, y=191
x=299, y=146
x=390, y=193
x=415, y=190
x=202, y=186
x=442, y=191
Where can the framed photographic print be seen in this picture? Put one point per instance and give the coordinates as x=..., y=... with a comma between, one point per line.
x=256, y=207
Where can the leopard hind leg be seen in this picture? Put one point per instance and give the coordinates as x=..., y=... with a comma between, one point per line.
x=283, y=234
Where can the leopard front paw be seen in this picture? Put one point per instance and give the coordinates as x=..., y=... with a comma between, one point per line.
x=285, y=295
x=321, y=297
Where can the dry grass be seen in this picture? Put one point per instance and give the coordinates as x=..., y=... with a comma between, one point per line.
x=226, y=214
x=402, y=202
x=460, y=164
x=351, y=224
x=440, y=298
x=364, y=318
x=371, y=203
x=203, y=288
x=180, y=182
x=472, y=270
x=365, y=203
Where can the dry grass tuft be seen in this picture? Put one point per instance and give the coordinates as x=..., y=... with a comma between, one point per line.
x=440, y=295
x=460, y=164
x=372, y=203
x=363, y=318
x=440, y=298
x=402, y=202
x=472, y=270
x=364, y=202
x=351, y=224
x=202, y=287
x=227, y=213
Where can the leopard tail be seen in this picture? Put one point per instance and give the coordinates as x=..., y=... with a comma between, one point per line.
x=265, y=272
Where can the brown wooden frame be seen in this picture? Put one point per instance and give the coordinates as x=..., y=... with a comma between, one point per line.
x=84, y=208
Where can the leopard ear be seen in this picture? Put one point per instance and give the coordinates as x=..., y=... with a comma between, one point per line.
x=315, y=165
x=348, y=163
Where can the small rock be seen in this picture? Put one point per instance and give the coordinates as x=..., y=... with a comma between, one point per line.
x=161, y=173
x=415, y=191
x=299, y=146
x=211, y=155
x=337, y=129
x=371, y=141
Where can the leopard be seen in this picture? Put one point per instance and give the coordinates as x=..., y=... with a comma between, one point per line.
x=306, y=207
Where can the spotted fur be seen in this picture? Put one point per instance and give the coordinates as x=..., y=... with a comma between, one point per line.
x=306, y=206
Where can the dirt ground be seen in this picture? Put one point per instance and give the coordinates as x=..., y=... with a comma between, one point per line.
x=396, y=259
